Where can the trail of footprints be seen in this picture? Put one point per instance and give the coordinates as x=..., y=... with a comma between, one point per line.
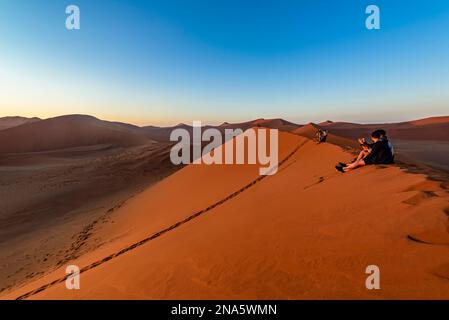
x=160, y=233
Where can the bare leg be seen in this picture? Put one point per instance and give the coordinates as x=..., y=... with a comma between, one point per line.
x=354, y=165
x=362, y=155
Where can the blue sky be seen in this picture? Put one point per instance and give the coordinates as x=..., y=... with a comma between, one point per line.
x=165, y=62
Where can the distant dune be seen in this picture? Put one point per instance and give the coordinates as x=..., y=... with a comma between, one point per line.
x=33, y=134
x=310, y=130
x=9, y=122
x=162, y=134
x=306, y=232
x=68, y=132
x=430, y=121
x=280, y=124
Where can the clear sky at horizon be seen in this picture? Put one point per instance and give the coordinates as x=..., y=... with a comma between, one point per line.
x=164, y=62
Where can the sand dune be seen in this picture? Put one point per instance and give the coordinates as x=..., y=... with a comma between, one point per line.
x=429, y=121
x=239, y=236
x=10, y=122
x=279, y=124
x=68, y=132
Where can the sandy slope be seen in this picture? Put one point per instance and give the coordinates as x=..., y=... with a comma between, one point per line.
x=306, y=232
x=51, y=201
x=58, y=179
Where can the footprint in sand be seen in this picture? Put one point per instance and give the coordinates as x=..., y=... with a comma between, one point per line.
x=435, y=236
x=431, y=237
x=420, y=197
x=320, y=180
x=442, y=271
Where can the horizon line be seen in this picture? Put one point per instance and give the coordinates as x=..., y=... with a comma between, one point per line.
x=175, y=123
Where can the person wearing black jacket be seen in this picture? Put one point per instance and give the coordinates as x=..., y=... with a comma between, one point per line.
x=379, y=152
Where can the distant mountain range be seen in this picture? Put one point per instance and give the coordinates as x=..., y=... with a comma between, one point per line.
x=20, y=134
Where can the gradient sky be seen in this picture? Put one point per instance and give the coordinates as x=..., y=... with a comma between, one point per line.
x=164, y=62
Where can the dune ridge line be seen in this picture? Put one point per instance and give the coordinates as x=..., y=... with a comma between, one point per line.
x=160, y=233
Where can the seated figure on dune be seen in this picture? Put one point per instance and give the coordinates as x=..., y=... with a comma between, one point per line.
x=379, y=152
x=321, y=136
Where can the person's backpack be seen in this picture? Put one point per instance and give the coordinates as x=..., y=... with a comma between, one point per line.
x=391, y=148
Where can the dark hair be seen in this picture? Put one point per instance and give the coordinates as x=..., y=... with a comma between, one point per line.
x=378, y=134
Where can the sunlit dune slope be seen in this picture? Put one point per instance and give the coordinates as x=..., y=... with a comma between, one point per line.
x=306, y=232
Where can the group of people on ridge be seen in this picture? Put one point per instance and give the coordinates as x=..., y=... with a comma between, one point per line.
x=378, y=151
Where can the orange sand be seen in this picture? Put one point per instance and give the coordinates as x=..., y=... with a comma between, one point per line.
x=306, y=232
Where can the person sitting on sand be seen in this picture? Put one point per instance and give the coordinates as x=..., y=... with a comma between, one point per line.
x=321, y=136
x=366, y=147
x=378, y=152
